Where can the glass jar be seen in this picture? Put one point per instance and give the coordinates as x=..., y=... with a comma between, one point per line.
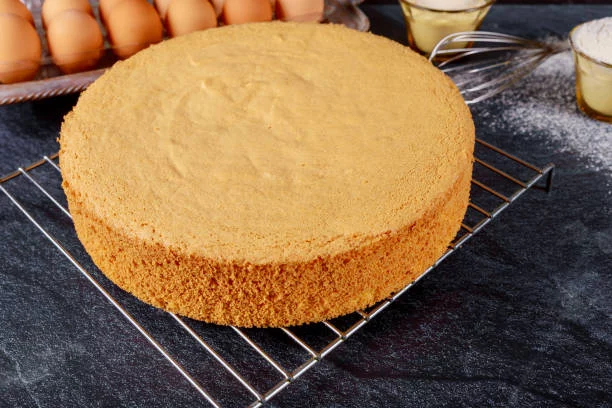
x=427, y=26
x=593, y=84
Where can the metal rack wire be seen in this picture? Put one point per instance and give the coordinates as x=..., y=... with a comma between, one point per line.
x=499, y=179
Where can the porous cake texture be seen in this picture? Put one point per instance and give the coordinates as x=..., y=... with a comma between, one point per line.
x=268, y=174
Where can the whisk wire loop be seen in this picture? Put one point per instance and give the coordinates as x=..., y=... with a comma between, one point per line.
x=484, y=63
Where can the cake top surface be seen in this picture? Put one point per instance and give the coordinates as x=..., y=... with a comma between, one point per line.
x=266, y=142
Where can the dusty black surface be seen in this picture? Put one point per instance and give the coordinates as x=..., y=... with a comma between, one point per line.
x=519, y=316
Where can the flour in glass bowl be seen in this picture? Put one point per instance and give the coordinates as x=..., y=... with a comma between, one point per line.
x=449, y=4
x=595, y=39
x=544, y=103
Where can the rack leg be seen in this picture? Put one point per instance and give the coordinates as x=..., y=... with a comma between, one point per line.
x=549, y=179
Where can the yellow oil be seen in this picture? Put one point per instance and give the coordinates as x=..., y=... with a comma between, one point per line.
x=594, y=88
x=427, y=27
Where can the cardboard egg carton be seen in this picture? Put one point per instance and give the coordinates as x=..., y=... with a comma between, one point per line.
x=50, y=81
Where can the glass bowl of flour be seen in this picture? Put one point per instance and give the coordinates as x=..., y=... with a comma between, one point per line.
x=592, y=46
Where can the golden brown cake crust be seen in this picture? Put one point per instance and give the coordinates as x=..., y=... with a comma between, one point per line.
x=272, y=192
x=272, y=294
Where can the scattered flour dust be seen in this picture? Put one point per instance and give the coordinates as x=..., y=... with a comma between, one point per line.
x=543, y=105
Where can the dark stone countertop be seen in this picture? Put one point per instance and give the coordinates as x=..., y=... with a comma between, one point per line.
x=519, y=316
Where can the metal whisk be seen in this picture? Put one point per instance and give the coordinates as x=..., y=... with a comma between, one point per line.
x=483, y=64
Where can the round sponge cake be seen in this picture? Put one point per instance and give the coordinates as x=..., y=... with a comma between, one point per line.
x=268, y=174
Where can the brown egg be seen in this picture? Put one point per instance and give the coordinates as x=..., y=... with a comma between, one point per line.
x=246, y=11
x=162, y=8
x=186, y=16
x=105, y=7
x=299, y=10
x=51, y=8
x=16, y=7
x=70, y=52
x=20, y=49
x=133, y=25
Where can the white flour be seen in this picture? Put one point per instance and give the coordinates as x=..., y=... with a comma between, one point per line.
x=449, y=4
x=595, y=39
x=542, y=108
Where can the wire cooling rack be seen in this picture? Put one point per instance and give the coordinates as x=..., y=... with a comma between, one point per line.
x=270, y=359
